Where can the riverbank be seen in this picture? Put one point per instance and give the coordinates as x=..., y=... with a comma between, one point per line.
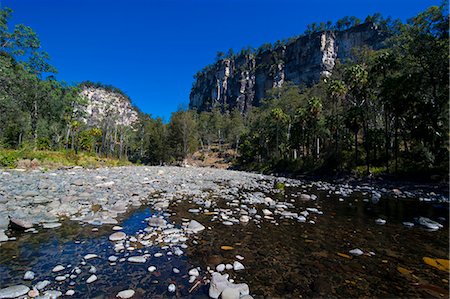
x=165, y=231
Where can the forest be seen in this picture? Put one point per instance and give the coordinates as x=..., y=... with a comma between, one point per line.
x=383, y=112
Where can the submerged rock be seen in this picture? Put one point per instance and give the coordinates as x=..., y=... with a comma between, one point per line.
x=137, y=259
x=428, y=223
x=29, y=275
x=195, y=226
x=91, y=278
x=125, y=294
x=118, y=236
x=14, y=291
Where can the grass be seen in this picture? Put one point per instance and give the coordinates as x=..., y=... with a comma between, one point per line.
x=25, y=158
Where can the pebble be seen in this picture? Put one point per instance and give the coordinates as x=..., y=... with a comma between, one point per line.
x=58, y=268
x=356, y=252
x=118, y=236
x=42, y=284
x=90, y=256
x=137, y=259
x=194, y=272
x=51, y=225
x=14, y=291
x=113, y=258
x=220, y=267
x=175, y=270
x=380, y=221
x=151, y=269
x=53, y=294
x=29, y=275
x=171, y=288
x=91, y=278
x=70, y=293
x=238, y=266
x=125, y=294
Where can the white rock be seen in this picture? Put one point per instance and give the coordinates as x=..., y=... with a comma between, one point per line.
x=176, y=270
x=116, y=228
x=60, y=278
x=239, y=257
x=3, y=236
x=220, y=267
x=51, y=225
x=91, y=278
x=428, y=223
x=53, y=294
x=58, y=268
x=151, y=269
x=118, y=236
x=113, y=258
x=218, y=283
x=238, y=266
x=125, y=294
x=90, y=256
x=29, y=275
x=14, y=291
x=42, y=284
x=137, y=259
x=70, y=293
x=267, y=212
x=158, y=254
x=230, y=293
x=171, y=288
x=228, y=266
x=380, y=221
x=194, y=272
x=244, y=219
x=356, y=252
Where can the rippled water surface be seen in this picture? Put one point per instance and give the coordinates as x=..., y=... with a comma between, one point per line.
x=282, y=259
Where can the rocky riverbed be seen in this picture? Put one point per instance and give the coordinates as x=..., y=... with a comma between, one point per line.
x=156, y=232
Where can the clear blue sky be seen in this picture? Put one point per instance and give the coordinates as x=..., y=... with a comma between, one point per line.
x=152, y=48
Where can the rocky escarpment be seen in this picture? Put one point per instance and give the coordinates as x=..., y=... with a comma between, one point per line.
x=242, y=81
x=107, y=106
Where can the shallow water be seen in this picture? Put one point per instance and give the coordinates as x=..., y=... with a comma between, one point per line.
x=287, y=259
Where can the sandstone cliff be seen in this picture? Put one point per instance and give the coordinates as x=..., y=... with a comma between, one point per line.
x=105, y=105
x=242, y=81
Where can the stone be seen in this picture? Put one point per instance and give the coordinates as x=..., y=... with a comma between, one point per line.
x=3, y=236
x=70, y=293
x=29, y=275
x=244, y=219
x=267, y=212
x=60, y=278
x=33, y=293
x=171, y=288
x=195, y=226
x=42, y=284
x=220, y=268
x=356, y=252
x=58, y=268
x=238, y=266
x=91, y=278
x=218, y=283
x=20, y=224
x=53, y=294
x=125, y=294
x=230, y=293
x=116, y=228
x=157, y=222
x=118, y=236
x=151, y=269
x=90, y=256
x=176, y=270
x=14, y=291
x=380, y=221
x=113, y=258
x=137, y=259
x=51, y=225
x=429, y=224
x=193, y=272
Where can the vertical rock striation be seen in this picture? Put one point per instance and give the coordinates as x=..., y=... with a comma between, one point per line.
x=242, y=81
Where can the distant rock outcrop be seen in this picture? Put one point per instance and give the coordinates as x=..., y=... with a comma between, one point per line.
x=242, y=81
x=107, y=105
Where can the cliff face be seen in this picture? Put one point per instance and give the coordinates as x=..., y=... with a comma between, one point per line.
x=242, y=81
x=105, y=106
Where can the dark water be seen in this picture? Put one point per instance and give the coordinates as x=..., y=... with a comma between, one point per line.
x=71, y=242
x=288, y=260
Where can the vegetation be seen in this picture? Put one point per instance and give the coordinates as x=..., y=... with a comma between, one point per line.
x=385, y=111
